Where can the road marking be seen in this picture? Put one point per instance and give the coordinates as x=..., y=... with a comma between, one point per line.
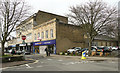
x=60, y=60
x=36, y=61
x=49, y=59
x=28, y=66
x=40, y=66
x=19, y=65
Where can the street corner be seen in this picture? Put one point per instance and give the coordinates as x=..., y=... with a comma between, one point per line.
x=17, y=63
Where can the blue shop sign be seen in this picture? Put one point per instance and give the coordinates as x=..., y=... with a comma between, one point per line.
x=44, y=43
x=13, y=46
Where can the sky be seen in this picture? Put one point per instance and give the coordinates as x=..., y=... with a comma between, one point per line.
x=60, y=7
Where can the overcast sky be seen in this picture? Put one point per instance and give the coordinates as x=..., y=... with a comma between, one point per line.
x=60, y=7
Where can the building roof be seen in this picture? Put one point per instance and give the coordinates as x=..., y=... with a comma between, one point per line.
x=105, y=37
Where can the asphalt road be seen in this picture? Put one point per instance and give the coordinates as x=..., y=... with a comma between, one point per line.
x=64, y=64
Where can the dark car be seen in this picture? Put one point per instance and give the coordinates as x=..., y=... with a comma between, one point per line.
x=86, y=49
x=107, y=49
x=103, y=50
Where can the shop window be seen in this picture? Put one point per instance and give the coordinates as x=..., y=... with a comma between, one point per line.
x=46, y=33
x=51, y=33
x=42, y=35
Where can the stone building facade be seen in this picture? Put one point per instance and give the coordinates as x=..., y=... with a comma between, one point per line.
x=47, y=30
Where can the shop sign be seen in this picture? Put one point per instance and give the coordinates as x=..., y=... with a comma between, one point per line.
x=44, y=43
x=22, y=45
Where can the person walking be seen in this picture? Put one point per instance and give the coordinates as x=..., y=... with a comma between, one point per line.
x=49, y=51
x=46, y=51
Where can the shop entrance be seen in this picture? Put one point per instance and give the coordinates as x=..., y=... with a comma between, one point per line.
x=37, y=49
x=51, y=47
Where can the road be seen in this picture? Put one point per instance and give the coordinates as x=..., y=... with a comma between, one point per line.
x=56, y=63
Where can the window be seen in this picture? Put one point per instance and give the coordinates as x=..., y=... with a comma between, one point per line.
x=35, y=37
x=29, y=36
x=46, y=33
x=38, y=35
x=42, y=35
x=51, y=33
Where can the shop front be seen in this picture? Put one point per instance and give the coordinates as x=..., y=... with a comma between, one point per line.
x=39, y=47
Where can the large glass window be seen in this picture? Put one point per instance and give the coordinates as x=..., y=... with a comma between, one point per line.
x=51, y=33
x=42, y=35
x=46, y=33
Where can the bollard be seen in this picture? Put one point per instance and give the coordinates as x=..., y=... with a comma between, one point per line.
x=83, y=55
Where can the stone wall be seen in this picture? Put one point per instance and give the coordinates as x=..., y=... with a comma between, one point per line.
x=68, y=36
x=42, y=17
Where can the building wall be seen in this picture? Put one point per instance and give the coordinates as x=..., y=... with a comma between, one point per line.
x=68, y=36
x=42, y=17
x=43, y=27
x=26, y=29
x=105, y=43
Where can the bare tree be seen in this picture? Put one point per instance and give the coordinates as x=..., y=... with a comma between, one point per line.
x=92, y=17
x=12, y=12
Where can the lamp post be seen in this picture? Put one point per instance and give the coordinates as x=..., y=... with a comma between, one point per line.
x=23, y=38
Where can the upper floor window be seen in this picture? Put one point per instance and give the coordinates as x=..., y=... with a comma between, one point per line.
x=46, y=33
x=42, y=35
x=51, y=33
x=38, y=35
x=35, y=37
x=29, y=36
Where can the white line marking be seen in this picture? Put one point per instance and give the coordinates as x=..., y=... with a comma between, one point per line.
x=28, y=66
x=20, y=65
x=36, y=61
x=40, y=66
x=60, y=60
x=49, y=59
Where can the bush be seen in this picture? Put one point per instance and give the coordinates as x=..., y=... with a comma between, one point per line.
x=63, y=53
x=60, y=53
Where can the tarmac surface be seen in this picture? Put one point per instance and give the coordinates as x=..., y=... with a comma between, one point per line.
x=66, y=63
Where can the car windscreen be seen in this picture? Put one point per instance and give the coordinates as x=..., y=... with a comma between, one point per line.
x=100, y=47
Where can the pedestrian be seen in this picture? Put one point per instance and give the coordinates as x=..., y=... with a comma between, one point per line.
x=13, y=52
x=49, y=51
x=46, y=51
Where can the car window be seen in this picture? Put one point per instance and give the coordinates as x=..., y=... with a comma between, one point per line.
x=77, y=48
x=100, y=48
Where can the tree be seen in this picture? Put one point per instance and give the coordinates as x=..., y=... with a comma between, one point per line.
x=92, y=17
x=12, y=12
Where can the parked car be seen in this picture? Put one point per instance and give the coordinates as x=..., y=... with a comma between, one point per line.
x=18, y=52
x=86, y=49
x=114, y=48
x=74, y=49
x=27, y=53
x=103, y=49
x=10, y=50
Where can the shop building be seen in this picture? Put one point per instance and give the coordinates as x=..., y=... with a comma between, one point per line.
x=47, y=30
